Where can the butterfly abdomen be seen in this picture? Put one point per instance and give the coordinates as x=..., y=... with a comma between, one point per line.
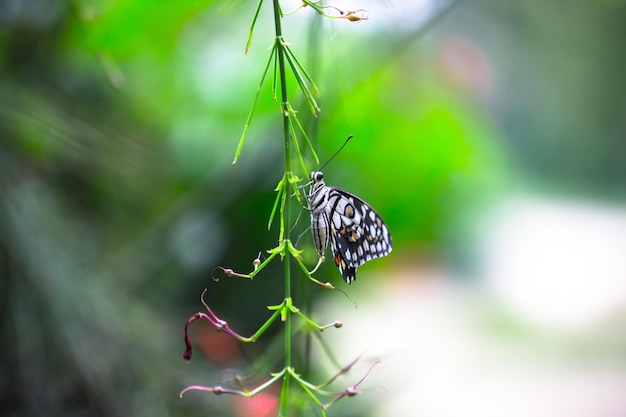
x=320, y=229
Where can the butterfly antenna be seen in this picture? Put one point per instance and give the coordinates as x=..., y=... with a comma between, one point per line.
x=336, y=153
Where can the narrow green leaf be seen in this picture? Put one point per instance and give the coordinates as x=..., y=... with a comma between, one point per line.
x=283, y=202
x=256, y=15
x=280, y=188
x=294, y=138
x=317, y=161
x=275, y=81
x=303, y=87
x=254, y=102
x=304, y=71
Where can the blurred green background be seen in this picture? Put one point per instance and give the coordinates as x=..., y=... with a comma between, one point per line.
x=118, y=125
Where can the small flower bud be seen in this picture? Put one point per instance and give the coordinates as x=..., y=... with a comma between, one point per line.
x=257, y=262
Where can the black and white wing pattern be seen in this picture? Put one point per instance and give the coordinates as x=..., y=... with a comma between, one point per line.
x=357, y=233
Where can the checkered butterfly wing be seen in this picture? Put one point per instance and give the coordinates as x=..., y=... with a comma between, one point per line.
x=357, y=233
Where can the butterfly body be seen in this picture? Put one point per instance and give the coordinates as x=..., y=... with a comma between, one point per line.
x=357, y=233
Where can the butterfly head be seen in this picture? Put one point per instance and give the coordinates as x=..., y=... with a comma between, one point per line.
x=317, y=182
x=318, y=193
x=317, y=176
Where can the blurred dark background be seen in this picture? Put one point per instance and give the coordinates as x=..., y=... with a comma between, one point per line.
x=119, y=122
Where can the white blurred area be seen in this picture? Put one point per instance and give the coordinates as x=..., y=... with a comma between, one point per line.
x=557, y=264
x=540, y=333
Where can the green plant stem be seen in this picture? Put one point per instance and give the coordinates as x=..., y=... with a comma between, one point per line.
x=284, y=403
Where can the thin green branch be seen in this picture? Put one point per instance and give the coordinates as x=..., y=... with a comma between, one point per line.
x=313, y=397
x=261, y=329
x=244, y=393
x=258, y=266
x=325, y=285
x=313, y=324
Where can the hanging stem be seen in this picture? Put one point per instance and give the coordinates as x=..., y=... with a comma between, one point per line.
x=279, y=44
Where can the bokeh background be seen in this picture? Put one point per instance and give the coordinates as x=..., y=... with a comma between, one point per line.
x=490, y=135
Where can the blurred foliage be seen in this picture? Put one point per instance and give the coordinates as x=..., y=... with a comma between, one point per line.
x=118, y=123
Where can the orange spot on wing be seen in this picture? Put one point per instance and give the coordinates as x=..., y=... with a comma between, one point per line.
x=338, y=259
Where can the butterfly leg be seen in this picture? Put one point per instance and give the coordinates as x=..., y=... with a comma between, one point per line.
x=301, y=234
x=297, y=220
x=319, y=262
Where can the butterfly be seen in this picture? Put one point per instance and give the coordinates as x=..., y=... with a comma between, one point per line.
x=357, y=233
